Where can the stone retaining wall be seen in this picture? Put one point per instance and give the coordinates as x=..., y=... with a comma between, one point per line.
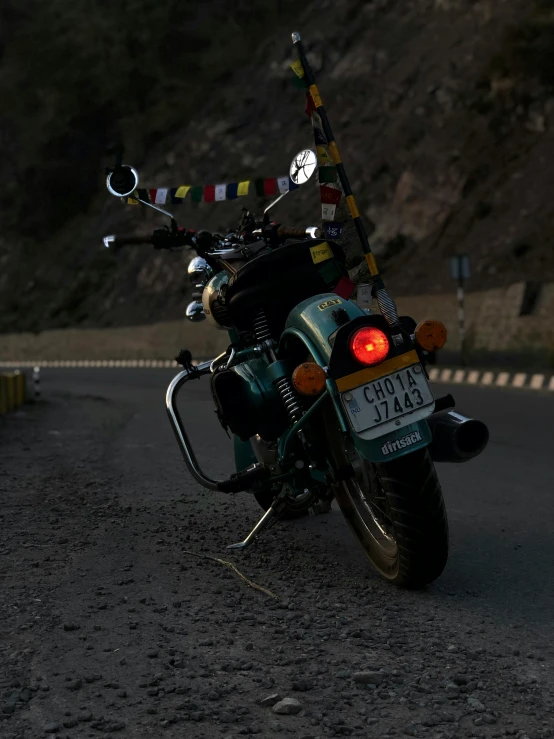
x=493, y=320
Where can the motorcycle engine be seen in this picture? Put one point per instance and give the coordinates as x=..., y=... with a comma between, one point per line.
x=213, y=305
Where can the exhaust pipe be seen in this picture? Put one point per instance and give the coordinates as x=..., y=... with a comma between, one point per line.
x=456, y=438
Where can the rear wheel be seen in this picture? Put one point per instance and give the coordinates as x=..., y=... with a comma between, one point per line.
x=396, y=510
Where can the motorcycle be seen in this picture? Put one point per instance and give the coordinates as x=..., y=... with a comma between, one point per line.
x=325, y=400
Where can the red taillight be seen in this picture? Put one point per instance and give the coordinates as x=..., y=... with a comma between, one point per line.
x=369, y=345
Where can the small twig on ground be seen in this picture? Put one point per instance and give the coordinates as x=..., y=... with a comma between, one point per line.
x=235, y=569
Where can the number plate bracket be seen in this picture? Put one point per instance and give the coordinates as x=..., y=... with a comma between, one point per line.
x=389, y=402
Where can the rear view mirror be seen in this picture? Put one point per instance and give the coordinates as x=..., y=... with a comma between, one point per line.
x=303, y=166
x=123, y=181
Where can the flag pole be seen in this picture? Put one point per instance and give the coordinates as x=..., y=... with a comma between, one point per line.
x=386, y=304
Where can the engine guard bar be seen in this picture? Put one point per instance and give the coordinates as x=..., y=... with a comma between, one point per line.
x=175, y=418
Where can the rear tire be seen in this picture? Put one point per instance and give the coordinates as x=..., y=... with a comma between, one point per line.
x=396, y=510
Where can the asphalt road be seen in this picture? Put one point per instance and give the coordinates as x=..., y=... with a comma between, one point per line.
x=500, y=505
x=91, y=479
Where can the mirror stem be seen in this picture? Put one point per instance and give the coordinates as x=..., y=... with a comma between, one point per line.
x=276, y=201
x=169, y=215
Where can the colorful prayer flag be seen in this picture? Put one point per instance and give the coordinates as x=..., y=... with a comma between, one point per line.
x=283, y=184
x=220, y=192
x=310, y=107
x=327, y=175
x=243, y=188
x=333, y=230
x=323, y=158
x=331, y=195
x=173, y=195
x=270, y=186
x=161, y=196
x=231, y=191
x=328, y=211
x=182, y=191
x=345, y=288
x=299, y=79
x=209, y=193
x=196, y=193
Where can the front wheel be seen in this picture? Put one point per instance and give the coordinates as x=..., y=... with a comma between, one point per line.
x=396, y=510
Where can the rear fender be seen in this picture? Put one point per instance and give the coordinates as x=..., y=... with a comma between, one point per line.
x=394, y=445
x=314, y=319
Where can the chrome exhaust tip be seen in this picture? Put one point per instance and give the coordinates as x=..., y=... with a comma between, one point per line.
x=456, y=438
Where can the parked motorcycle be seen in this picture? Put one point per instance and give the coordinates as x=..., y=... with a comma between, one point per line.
x=324, y=399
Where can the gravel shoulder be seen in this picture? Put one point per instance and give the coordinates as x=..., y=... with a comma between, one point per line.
x=111, y=626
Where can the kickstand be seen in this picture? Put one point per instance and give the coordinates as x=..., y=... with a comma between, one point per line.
x=266, y=521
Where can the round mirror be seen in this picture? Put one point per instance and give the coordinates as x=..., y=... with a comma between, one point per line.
x=123, y=181
x=303, y=166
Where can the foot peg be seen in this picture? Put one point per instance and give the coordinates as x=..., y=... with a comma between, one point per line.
x=244, y=480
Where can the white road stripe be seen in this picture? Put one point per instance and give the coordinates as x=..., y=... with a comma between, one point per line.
x=503, y=379
x=434, y=373
x=473, y=377
x=459, y=376
x=487, y=378
x=519, y=379
x=537, y=382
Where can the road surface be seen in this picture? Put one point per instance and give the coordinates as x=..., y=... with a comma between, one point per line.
x=101, y=527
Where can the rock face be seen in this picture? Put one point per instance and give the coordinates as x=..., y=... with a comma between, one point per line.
x=443, y=113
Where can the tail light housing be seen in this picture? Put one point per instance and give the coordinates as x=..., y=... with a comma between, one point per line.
x=369, y=345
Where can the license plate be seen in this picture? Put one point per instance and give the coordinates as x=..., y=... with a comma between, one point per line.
x=381, y=405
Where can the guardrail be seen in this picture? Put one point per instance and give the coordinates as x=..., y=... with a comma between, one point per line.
x=13, y=390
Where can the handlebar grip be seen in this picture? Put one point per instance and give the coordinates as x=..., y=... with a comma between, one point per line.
x=283, y=232
x=116, y=242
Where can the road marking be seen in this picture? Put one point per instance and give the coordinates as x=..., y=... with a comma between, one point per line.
x=503, y=379
x=519, y=379
x=500, y=379
x=537, y=382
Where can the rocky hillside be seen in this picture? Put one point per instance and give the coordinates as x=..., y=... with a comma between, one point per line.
x=443, y=110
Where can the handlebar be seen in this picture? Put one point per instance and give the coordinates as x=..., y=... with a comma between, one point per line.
x=161, y=238
x=116, y=242
x=283, y=232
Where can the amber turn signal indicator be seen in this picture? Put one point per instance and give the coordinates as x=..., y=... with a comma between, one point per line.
x=430, y=335
x=309, y=379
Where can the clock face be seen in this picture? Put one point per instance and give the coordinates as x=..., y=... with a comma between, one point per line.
x=303, y=166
